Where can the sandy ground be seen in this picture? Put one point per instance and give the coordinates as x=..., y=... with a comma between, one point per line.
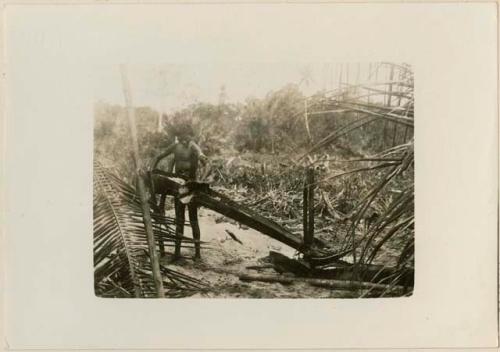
x=224, y=259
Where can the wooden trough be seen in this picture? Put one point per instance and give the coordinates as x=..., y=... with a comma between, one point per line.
x=167, y=183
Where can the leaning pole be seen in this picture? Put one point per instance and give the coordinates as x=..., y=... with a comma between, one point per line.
x=141, y=189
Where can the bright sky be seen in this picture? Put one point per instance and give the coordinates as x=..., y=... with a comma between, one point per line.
x=172, y=86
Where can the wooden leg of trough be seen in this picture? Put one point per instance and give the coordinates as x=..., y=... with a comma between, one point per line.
x=305, y=208
x=308, y=211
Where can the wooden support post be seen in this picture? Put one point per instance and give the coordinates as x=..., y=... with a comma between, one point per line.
x=406, y=134
x=141, y=188
x=309, y=209
x=310, y=204
x=305, y=208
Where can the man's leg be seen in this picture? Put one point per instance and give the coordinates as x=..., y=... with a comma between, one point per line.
x=161, y=209
x=179, y=227
x=163, y=197
x=193, y=220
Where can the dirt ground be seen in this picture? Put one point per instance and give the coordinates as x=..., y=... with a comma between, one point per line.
x=224, y=259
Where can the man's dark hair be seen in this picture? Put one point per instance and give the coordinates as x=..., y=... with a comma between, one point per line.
x=184, y=129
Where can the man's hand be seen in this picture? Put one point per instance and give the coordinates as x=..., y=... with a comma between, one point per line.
x=153, y=163
x=143, y=171
x=203, y=158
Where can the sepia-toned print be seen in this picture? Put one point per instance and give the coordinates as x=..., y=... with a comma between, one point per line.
x=264, y=180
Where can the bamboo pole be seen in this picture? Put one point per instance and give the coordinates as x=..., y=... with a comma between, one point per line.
x=141, y=187
x=389, y=98
x=395, y=129
x=332, y=74
x=358, y=70
x=347, y=74
x=163, y=82
x=306, y=121
x=340, y=76
x=325, y=76
x=368, y=79
x=391, y=78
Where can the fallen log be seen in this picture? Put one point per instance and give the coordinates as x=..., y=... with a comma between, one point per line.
x=284, y=264
x=343, y=272
x=331, y=284
x=366, y=272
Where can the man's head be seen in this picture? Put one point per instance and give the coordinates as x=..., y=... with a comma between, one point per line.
x=184, y=133
x=184, y=139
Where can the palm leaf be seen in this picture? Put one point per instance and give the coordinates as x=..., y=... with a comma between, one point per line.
x=122, y=267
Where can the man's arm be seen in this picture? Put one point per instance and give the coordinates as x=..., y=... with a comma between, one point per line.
x=197, y=150
x=167, y=152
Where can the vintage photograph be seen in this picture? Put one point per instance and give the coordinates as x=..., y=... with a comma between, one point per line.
x=254, y=180
x=211, y=175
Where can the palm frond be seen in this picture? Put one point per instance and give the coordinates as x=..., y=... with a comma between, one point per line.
x=122, y=267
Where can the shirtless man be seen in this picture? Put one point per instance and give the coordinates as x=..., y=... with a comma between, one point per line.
x=186, y=155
